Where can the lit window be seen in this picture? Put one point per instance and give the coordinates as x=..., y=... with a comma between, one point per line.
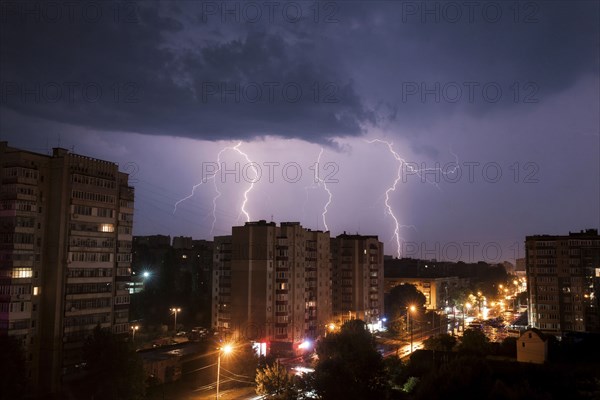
x=36, y=290
x=106, y=228
x=22, y=273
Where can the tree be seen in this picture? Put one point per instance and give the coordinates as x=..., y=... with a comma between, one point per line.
x=441, y=342
x=349, y=366
x=508, y=347
x=13, y=381
x=114, y=370
x=397, y=302
x=274, y=380
x=474, y=342
x=396, y=372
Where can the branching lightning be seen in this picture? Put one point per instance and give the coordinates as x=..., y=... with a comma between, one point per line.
x=243, y=207
x=218, y=195
x=402, y=162
x=324, y=184
x=318, y=182
x=392, y=188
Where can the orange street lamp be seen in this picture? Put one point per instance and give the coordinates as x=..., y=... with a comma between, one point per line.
x=175, y=310
x=411, y=308
x=134, y=328
x=226, y=349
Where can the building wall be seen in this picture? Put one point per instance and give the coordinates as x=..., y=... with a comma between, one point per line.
x=436, y=290
x=532, y=348
x=272, y=283
x=66, y=248
x=563, y=280
x=357, y=277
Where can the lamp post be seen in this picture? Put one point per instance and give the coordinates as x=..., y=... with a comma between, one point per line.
x=408, y=311
x=134, y=328
x=226, y=349
x=175, y=310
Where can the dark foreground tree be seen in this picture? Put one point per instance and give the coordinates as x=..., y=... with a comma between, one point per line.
x=349, y=366
x=13, y=381
x=474, y=342
x=441, y=342
x=398, y=300
x=274, y=380
x=114, y=370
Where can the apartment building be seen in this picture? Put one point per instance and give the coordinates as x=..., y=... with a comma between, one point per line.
x=357, y=276
x=65, y=256
x=272, y=283
x=563, y=276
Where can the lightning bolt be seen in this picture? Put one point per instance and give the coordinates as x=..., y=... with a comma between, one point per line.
x=318, y=182
x=243, y=208
x=322, y=182
x=392, y=188
x=218, y=195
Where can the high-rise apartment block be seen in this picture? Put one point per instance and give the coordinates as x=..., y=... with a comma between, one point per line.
x=357, y=273
x=272, y=283
x=563, y=278
x=65, y=256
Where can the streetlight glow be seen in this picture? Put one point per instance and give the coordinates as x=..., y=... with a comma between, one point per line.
x=134, y=328
x=225, y=349
x=175, y=310
x=411, y=308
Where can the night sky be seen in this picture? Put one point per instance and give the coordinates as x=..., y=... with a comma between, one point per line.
x=507, y=91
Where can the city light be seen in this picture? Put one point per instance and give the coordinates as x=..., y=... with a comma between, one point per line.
x=225, y=349
x=134, y=329
x=175, y=311
x=305, y=345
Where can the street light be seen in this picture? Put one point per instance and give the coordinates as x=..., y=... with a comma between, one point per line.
x=175, y=311
x=226, y=349
x=134, y=328
x=409, y=310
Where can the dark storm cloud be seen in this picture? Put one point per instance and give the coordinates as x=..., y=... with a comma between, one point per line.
x=188, y=69
x=532, y=52
x=111, y=75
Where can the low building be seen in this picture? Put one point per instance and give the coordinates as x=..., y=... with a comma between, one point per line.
x=532, y=347
x=435, y=290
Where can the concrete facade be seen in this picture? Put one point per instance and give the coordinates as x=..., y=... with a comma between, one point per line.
x=563, y=279
x=272, y=283
x=357, y=276
x=65, y=256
